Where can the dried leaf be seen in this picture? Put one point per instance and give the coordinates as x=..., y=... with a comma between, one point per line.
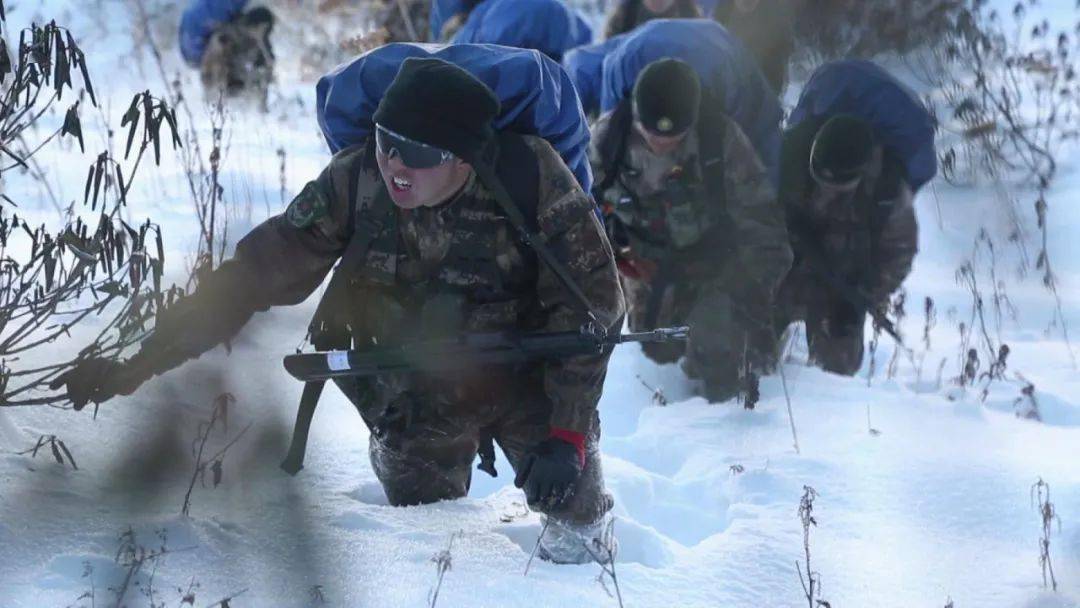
x=37, y=446
x=216, y=470
x=5, y=57
x=72, y=126
x=67, y=453
x=56, y=452
x=120, y=182
x=80, y=60
x=89, y=182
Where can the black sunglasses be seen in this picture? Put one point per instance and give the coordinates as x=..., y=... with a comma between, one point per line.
x=413, y=154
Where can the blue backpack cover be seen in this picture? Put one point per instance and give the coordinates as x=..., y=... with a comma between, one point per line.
x=585, y=65
x=864, y=89
x=199, y=21
x=728, y=72
x=536, y=95
x=549, y=26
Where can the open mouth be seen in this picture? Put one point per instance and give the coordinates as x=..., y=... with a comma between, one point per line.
x=400, y=185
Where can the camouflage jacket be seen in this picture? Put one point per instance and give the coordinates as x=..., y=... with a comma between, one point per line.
x=869, y=238
x=628, y=14
x=429, y=273
x=669, y=210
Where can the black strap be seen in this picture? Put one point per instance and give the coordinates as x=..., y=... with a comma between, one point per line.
x=535, y=239
x=327, y=329
x=612, y=150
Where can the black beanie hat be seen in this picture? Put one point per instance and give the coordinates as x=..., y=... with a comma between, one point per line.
x=439, y=104
x=666, y=97
x=841, y=148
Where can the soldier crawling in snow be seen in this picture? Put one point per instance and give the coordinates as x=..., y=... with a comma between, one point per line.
x=439, y=258
x=859, y=147
x=850, y=214
x=700, y=239
x=230, y=47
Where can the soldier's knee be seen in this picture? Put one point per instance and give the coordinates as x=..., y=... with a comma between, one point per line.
x=659, y=352
x=412, y=473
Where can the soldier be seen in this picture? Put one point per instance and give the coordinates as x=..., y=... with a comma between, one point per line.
x=230, y=46
x=853, y=231
x=767, y=29
x=628, y=14
x=431, y=251
x=700, y=238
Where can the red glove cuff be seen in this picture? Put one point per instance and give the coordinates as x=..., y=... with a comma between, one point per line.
x=573, y=438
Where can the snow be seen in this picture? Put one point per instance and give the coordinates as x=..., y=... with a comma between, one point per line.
x=935, y=506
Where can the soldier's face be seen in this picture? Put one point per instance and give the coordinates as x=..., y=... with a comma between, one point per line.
x=410, y=188
x=661, y=145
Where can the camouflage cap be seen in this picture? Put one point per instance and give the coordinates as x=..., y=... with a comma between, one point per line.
x=666, y=97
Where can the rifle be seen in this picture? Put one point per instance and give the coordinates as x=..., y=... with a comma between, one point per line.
x=468, y=351
x=815, y=257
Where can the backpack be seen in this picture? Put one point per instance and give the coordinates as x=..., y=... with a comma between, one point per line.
x=549, y=26
x=585, y=66
x=536, y=96
x=864, y=89
x=728, y=74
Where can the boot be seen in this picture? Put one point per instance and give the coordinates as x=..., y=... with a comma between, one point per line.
x=564, y=542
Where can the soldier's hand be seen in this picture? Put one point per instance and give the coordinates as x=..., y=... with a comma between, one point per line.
x=98, y=380
x=548, y=472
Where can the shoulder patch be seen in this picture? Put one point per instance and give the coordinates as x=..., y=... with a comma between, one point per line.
x=308, y=206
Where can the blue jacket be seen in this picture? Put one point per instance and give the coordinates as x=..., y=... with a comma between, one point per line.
x=549, y=26
x=585, y=65
x=536, y=95
x=864, y=89
x=199, y=21
x=727, y=70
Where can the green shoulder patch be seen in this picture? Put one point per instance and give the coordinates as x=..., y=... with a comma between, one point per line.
x=308, y=206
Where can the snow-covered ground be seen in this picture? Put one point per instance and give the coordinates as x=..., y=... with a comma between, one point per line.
x=935, y=505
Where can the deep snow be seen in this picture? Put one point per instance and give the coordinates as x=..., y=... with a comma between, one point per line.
x=935, y=506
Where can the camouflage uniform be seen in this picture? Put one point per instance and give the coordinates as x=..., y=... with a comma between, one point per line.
x=628, y=14
x=689, y=255
x=430, y=273
x=868, y=239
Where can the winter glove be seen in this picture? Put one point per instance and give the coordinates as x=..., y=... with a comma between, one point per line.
x=549, y=470
x=98, y=380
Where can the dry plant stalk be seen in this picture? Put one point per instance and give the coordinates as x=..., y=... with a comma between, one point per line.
x=658, y=397
x=51, y=281
x=216, y=461
x=811, y=584
x=443, y=562
x=602, y=551
x=1040, y=498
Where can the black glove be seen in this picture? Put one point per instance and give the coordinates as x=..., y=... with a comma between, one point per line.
x=98, y=380
x=548, y=472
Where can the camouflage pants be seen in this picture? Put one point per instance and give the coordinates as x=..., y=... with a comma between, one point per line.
x=834, y=327
x=428, y=457
x=718, y=338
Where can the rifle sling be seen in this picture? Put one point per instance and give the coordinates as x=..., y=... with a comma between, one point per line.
x=324, y=330
x=536, y=240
